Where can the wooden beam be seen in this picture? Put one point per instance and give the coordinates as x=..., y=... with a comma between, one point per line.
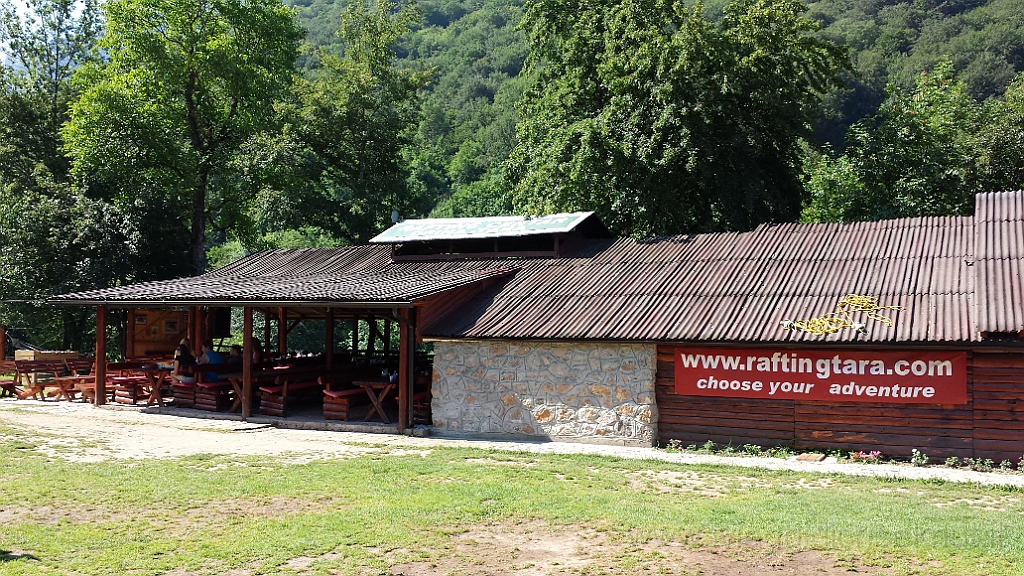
x=247, y=362
x=129, y=341
x=329, y=339
x=282, y=331
x=193, y=314
x=101, y=356
x=406, y=349
x=200, y=328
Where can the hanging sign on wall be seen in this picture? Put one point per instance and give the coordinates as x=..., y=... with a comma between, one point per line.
x=910, y=376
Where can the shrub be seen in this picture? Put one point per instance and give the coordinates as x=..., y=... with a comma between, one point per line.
x=753, y=450
x=872, y=457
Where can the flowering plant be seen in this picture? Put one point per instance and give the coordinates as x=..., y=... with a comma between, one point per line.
x=872, y=457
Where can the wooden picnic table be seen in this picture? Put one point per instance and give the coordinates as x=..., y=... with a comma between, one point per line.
x=280, y=375
x=375, y=398
x=157, y=374
x=43, y=374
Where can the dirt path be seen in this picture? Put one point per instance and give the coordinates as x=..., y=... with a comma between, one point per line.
x=82, y=432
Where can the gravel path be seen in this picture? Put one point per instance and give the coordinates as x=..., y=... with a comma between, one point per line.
x=81, y=432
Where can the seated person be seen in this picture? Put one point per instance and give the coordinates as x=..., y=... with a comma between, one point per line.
x=235, y=354
x=183, y=358
x=210, y=356
x=257, y=351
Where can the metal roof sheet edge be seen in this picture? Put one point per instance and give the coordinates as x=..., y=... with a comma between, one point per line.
x=427, y=229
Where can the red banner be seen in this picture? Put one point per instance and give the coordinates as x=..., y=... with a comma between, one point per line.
x=823, y=375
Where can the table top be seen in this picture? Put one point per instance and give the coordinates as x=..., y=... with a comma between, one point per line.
x=373, y=383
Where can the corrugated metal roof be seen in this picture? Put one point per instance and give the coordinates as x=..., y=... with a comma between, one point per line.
x=955, y=277
x=739, y=286
x=359, y=275
x=477, y=228
x=1000, y=261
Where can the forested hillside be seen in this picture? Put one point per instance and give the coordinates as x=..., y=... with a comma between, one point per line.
x=148, y=139
x=469, y=111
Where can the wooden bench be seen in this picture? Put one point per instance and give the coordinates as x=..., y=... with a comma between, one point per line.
x=337, y=403
x=41, y=374
x=274, y=398
x=81, y=378
x=126, y=386
x=213, y=396
x=421, y=407
x=184, y=394
x=10, y=386
x=210, y=396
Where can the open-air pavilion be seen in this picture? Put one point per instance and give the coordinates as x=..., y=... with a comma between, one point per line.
x=377, y=289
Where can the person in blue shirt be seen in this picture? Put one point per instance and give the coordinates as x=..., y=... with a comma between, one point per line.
x=210, y=356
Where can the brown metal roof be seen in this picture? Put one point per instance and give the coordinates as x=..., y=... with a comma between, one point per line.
x=738, y=286
x=358, y=276
x=1000, y=261
x=955, y=276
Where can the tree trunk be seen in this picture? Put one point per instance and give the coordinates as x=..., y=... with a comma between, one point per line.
x=198, y=244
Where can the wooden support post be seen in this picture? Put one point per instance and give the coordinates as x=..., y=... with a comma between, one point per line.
x=3, y=342
x=247, y=362
x=129, y=341
x=329, y=339
x=101, y=356
x=282, y=331
x=406, y=349
x=200, y=329
x=193, y=313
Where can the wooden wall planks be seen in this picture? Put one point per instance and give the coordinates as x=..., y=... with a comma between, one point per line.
x=989, y=425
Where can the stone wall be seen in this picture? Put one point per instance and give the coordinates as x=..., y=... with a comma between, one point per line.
x=579, y=391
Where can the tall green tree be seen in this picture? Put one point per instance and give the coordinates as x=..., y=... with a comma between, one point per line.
x=44, y=44
x=54, y=238
x=664, y=122
x=340, y=165
x=184, y=85
x=926, y=152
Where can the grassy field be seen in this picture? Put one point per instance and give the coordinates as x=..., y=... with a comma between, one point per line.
x=363, y=515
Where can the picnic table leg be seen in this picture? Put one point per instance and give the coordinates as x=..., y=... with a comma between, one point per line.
x=156, y=380
x=377, y=406
x=237, y=404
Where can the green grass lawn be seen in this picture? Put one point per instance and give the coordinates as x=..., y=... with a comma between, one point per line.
x=212, y=514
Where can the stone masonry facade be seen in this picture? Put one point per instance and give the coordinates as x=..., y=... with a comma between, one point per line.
x=598, y=392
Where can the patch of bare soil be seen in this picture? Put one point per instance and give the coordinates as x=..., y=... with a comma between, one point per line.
x=13, y=514
x=533, y=549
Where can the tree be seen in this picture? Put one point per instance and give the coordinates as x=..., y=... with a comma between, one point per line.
x=55, y=239
x=45, y=44
x=340, y=165
x=917, y=157
x=664, y=122
x=184, y=85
